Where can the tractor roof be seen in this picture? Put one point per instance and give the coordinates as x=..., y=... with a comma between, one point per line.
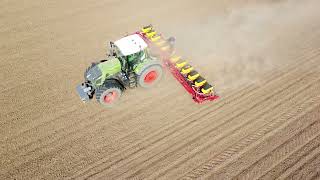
x=131, y=44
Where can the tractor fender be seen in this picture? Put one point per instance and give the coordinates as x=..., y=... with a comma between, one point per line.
x=140, y=67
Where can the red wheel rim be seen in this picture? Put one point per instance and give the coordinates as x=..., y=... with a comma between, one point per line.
x=110, y=97
x=150, y=77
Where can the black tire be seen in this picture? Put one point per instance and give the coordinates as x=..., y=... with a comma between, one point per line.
x=109, y=93
x=150, y=75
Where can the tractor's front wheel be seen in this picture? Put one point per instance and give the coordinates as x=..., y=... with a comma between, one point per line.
x=109, y=93
x=150, y=76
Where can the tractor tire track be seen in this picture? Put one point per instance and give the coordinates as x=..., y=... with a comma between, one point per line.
x=301, y=153
x=132, y=101
x=253, y=106
x=199, y=149
x=39, y=155
x=307, y=168
x=228, y=153
x=277, y=152
x=29, y=147
x=71, y=102
x=68, y=134
x=183, y=120
x=257, y=157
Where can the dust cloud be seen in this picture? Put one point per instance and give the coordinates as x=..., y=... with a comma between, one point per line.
x=240, y=45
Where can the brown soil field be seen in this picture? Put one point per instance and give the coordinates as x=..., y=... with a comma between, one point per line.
x=262, y=56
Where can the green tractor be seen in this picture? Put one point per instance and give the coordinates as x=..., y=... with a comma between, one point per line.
x=128, y=65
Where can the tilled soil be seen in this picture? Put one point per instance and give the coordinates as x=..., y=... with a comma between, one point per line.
x=263, y=58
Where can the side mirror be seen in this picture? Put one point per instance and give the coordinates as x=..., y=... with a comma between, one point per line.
x=112, y=50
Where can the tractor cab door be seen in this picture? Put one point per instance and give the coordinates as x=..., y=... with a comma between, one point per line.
x=123, y=59
x=136, y=58
x=124, y=63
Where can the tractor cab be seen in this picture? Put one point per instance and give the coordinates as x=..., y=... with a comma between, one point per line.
x=130, y=50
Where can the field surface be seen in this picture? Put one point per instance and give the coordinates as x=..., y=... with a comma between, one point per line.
x=262, y=56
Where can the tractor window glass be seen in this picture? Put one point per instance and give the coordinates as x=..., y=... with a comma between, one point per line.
x=121, y=57
x=123, y=62
x=142, y=55
x=118, y=52
x=132, y=57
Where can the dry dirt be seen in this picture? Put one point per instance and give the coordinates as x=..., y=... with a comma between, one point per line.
x=262, y=56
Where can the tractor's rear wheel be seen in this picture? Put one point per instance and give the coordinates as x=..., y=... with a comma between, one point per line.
x=109, y=93
x=150, y=76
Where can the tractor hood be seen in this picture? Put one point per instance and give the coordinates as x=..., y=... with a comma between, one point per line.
x=93, y=73
x=110, y=67
x=97, y=73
